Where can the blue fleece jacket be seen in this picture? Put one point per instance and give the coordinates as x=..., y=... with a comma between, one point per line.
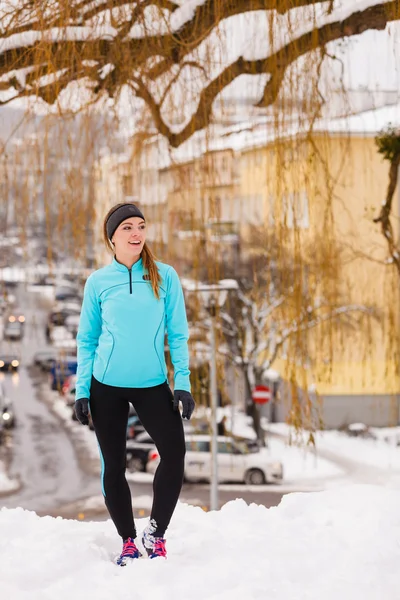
x=122, y=329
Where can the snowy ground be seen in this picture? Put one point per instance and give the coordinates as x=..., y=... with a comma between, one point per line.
x=328, y=545
x=375, y=461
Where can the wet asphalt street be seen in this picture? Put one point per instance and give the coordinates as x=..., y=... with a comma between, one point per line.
x=43, y=457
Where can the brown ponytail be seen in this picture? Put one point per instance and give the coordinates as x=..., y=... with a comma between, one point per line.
x=147, y=256
x=152, y=269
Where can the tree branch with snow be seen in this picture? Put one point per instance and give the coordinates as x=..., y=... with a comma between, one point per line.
x=168, y=53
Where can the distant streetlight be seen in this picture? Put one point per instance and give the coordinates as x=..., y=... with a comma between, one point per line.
x=213, y=297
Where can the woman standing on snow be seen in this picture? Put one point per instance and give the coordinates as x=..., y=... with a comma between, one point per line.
x=128, y=306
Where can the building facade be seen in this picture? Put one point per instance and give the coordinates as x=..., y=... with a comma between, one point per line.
x=229, y=197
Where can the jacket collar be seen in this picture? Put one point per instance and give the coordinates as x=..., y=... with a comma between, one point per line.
x=136, y=267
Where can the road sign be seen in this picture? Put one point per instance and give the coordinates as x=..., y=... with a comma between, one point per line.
x=261, y=394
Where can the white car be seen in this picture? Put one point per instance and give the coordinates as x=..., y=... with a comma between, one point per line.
x=236, y=462
x=72, y=324
x=13, y=331
x=74, y=308
x=62, y=338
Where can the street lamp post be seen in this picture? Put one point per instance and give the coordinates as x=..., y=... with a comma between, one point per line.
x=213, y=296
x=214, y=502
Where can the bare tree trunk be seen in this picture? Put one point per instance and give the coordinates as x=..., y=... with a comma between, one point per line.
x=385, y=213
x=253, y=410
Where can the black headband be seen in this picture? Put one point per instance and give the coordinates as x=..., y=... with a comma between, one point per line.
x=120, y=214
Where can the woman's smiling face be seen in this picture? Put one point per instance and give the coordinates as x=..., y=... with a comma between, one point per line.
x=129, y=237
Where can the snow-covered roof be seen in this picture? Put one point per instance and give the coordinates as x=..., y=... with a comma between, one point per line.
x=264, y=131
x=261, y=131
x=368, y=123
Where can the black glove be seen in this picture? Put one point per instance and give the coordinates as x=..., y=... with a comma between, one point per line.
x=188, y=403
x=82, y=410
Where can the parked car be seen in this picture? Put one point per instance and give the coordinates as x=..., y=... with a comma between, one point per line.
x=72, y=324
x=66, y=345
x=74, y=307
x=67, y=293
x=359, y=430
x=235, y=462
x=68, y=390
x=59, y=333
x=44, y=279
x=60, y=370
x=134, y=427
x=138, y=450
x=252, y=445
x=61, y=312
x=16, y=315
x=59, y=316
x=9, y=362
x=13, y=331
x=45, y=359
x=7, y=416
x=66, y=282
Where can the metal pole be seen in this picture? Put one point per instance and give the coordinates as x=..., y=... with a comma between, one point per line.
x=214, y=504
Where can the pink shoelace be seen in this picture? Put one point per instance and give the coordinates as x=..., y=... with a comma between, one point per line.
x=159, y=548
x=129, y=549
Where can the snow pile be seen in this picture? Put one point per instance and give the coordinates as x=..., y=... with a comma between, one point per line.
x=380, y=451
x=370, y=452
x=332, y=544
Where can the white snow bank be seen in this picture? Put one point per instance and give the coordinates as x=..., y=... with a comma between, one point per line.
x=381, y=452
x=332, y=544
x=302, y=465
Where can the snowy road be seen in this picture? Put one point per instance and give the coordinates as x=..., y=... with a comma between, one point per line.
x=43, y=456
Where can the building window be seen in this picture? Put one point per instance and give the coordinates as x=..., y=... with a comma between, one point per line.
x=295, y=211
x=214, y=208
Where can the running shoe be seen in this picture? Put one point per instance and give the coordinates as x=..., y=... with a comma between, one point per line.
x=129, y=552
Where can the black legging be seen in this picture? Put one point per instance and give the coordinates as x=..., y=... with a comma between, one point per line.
x=109, y=408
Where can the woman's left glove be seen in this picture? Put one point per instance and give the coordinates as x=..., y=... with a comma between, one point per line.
x=82, y=410
x=188, y=403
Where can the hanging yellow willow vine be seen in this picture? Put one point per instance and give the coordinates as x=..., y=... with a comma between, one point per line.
x=215, y=116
